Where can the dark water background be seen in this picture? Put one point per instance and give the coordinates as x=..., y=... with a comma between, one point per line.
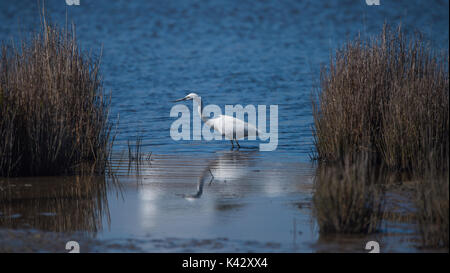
x=229, y=52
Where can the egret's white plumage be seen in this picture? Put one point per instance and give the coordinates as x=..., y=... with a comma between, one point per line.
x=229, y=127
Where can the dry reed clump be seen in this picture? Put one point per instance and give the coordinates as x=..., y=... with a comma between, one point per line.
x=53, y=112
x=347, y=198
x=387, y=96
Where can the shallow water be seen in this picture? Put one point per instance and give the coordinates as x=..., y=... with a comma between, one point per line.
x=224, y=202
x=229, y=52
x=234, y=195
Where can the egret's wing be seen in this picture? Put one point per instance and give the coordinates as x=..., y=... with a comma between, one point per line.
x=232, y=127
x=217, y=124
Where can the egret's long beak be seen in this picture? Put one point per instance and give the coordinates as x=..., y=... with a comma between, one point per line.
x=182, y=99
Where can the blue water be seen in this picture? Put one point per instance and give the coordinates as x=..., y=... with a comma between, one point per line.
x=229, y=52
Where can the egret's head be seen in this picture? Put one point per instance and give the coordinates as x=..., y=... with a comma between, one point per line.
x=191, y=96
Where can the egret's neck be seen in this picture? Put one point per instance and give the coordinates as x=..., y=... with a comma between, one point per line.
x=200, y=108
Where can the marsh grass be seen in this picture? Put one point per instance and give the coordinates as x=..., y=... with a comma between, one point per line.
x=53, y=110
x=389, y=97
x=135, y=150
x=348, y=198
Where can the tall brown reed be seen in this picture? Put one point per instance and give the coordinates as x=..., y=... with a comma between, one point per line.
x=388, y=96
x=348, y=198
x=53, y=111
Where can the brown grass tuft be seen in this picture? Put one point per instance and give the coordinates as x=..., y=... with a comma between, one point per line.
x=53, y=112
x=347, y=198
x=388, y=97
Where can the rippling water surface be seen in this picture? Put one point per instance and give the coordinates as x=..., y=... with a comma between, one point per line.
x=229, y=52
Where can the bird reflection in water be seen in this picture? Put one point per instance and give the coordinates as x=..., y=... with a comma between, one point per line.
x=228, y=166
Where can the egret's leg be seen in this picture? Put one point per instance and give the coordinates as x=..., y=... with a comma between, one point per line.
x=237, y=143
x=232, y=144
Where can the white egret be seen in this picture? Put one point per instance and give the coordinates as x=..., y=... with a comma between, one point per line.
x=229, y=127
